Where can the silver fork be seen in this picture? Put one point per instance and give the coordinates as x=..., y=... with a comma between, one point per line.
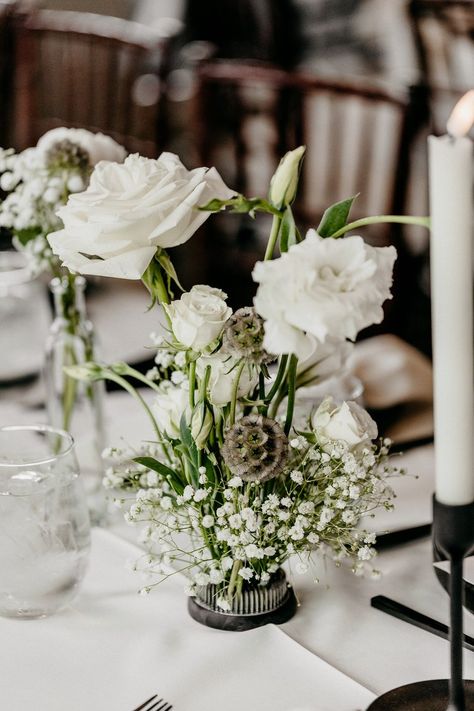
x=154, y=704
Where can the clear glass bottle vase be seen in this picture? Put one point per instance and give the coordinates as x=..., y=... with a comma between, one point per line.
x=73, y=405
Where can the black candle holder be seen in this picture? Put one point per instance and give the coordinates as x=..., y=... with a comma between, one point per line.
x=453, y=536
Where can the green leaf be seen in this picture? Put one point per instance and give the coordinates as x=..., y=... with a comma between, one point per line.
x=169, y=474
x=188, y=442
x=289, y=234
x=152, y=278
x=241, y=204
x=155, y=465
x=335, y=217
x=163, y=259
x=26, y=235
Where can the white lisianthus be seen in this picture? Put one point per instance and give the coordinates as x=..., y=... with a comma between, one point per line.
x=285, y=180
x=98, y=146
x=326, y=360
x=322, y=287
x=347, y=422
x=224, y=371
x=169, y=406
x=129, y=210
x=198, y=317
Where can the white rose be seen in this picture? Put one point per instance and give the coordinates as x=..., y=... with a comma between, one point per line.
x=322, y=287
x=169, y=406
x=347, y=422
x=224, y=371
x=97, y=145
x=198, y=317
x=129, y=210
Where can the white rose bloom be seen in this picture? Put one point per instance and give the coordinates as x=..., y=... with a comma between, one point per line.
x=224, y=371
x=348, y=423
x=198, y=317
x=129, y=210
x=169, y=406
x=97, y=145
x=322, y=287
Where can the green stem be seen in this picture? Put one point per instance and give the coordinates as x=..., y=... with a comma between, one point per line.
x=279, y=377
x=192, y=382
x=128, y=370
x=235, y=389
x=291, y=392
x=277, y=402
x=205, y=383
x=70, y=388
x=379, y=219
x=161, y=290
x=233, y=578
x=273, y=236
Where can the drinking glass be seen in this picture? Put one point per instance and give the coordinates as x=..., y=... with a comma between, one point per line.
x=44, y=521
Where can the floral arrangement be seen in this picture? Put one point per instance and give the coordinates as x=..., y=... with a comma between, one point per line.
x=38, y=181
x=233, y=485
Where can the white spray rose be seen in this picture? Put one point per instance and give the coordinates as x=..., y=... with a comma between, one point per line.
x=348, y=422
x=224, y=370
x=322, y=287
x=198, y=317
x=98, y=146
x=129, y=210
x=169, y=406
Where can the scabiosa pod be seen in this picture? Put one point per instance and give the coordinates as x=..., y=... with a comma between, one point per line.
x=66, y=155
x=243, y=336
x=255, y=448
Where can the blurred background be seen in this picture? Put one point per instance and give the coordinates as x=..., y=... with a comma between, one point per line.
x=235, y=84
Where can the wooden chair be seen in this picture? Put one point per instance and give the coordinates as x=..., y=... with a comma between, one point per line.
x=89, y=71
x=445, y=39
x=357, y=138
x=6, y=69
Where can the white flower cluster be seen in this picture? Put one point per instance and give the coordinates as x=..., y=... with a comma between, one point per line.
x=36, y=189
x=236, y=529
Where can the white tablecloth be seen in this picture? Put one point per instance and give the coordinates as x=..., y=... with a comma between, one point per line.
x=111, y=649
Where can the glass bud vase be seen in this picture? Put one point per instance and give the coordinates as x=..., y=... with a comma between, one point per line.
x=73, y=405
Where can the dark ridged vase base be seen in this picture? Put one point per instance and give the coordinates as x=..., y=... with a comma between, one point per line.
x=254, y=607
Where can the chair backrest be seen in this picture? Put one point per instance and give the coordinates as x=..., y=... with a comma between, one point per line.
x=445, y=37
x=355, y=134
x=6, y=69
x=89, y=71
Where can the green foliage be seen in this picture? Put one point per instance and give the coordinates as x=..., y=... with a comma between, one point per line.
x=335, y=217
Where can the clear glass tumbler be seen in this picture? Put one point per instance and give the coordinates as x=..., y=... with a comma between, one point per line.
x=44, y=521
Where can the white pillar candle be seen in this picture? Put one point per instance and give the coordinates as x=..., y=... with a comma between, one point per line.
x=451, y=207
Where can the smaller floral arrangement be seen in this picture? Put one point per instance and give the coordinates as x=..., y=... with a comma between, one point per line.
x=284, y=497
x=233, y=484
x=37, y=182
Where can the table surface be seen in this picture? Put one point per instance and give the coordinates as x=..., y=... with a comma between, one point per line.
x=111, y=648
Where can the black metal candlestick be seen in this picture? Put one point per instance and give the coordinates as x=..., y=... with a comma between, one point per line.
x=453, y=535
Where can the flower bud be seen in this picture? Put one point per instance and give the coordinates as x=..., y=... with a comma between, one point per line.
x=84, y=371
x=285, y=179
x=201, y=424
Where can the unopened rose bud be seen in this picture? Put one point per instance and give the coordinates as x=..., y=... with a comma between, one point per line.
x=201, y=424
x=285, y=179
